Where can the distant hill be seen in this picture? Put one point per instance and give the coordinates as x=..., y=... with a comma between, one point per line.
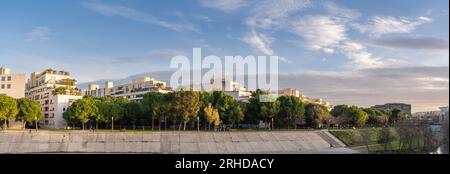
x=159, y=75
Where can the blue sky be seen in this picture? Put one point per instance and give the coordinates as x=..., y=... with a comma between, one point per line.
x=338, y=39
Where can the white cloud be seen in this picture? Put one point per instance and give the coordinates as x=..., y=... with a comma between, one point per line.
x=280, y=8
x=328, y=34
x=320, y=33
x=359, y=56
x=368, y=87
x=341, y=12
x=269, y=14
x=224, y=5
x=411, y=43
x=132, y=14
x=38, y=34
x=259, y=42
x=381, y=25
x=203, y=18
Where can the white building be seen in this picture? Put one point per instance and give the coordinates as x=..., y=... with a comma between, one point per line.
x=440, y=115
x=132, y=91
x=54, y=91
x=229, y=87
x=303, y=98
x=58, y=105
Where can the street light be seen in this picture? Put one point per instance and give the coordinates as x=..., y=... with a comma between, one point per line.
x=112, y=124
x=35, y=123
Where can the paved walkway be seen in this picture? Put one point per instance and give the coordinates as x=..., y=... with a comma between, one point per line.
x=275, y=142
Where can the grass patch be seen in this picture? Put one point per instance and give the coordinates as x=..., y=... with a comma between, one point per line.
x=359, y=137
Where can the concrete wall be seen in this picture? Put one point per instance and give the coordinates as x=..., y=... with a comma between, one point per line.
x=167, y=142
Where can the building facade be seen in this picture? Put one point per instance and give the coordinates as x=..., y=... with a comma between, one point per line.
x=54, y=91
x=406, y=108
x=12, y=85
x=229, y=87
x=296, y=93
x=132, y=91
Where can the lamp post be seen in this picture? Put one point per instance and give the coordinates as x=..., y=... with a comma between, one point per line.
x=112, y=124
x=35, y=123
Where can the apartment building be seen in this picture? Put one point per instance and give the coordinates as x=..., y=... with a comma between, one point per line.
x=406, y=108
x=296, y=93
x=55, y=91
x=229, y=87
x=132, y=91
x=12, y=85
x=437, y=116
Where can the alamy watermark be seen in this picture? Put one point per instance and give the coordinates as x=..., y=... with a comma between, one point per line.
x=204, y=73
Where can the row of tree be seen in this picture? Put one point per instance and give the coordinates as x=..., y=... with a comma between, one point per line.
x=207, y=110
x=200, y=110
x=24, y=109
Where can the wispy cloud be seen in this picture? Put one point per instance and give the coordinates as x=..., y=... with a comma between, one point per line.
x=320, y=33
x=328, y=35
x=38, y=34
x=381, y=25
x=411, y=43
x=341, y=12
x=428, y=84
x=132, y=14
x=224, y=5
x=259, y=42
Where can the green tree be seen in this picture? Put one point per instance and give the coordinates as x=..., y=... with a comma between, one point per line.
x=235, y=114
x=212, y=116
x=269, y=111
x=223, y=103
x=291, y=110
x=254, y=107
x=109, y=110
x=359, y=117
x=134, y=112
x=30, y=111
x=353, y=114
x=395, y=116
x=316, y=115
x=376, y=117
x=259, y=109
x=8, y=109
x=167, y=108
x=82, y=110
x=187, y=105
x=153, y=103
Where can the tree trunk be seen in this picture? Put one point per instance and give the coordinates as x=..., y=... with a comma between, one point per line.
x=153, y=120
x=83, y=125
x=4, y=126
x=165, y=123
x=184, y=125
x=36, y=125
x=159, y=123
x=198, y=124
x=179, y=127
x=96, y=125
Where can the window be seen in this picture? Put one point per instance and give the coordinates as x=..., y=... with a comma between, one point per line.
x=3, y=86
x=3, y=78
x=9, y=78
x=8, y=86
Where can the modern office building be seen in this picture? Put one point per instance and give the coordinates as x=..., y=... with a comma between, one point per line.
x=406, y=108
x=55, y=91
x=12, y=85
x=133, y=91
